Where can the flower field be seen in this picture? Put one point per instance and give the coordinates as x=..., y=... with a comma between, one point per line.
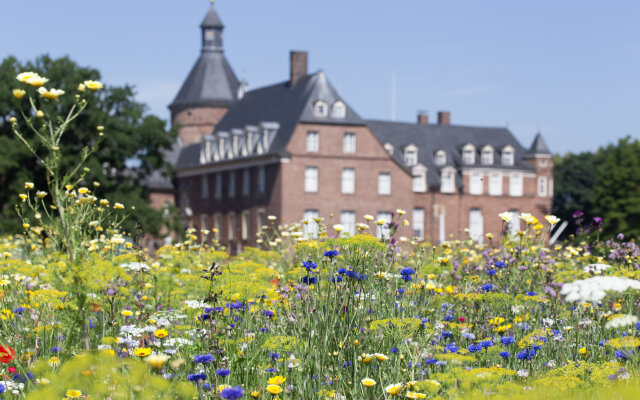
x=344, y=318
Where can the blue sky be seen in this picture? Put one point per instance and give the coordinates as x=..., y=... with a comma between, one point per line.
x=568, y=68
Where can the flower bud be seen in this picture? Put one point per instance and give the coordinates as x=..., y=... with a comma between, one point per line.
x=13, y=120
x=81, y=87
x=40, y=114
x=100, y=128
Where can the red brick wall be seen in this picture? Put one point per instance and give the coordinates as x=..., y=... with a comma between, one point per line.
x=197, y=122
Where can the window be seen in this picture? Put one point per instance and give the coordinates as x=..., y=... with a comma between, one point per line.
x=232, y=184
x=542, y=186
x=338, y=110
x=204, y=187
x=311, y=179
x=204, y=222
x=261, y=178
x=384, y=183
x=475, y=183
x=418, y=223
x=260, y=220
x=469, y=155
x=217, y=221
x=447, y=181
x=495, y=184
x=310, y=226
x=389, y=148
x=313, y=142
x=245, y=225
x=419, y=180
x=218, y=190
x=349, y=143
x=231, y=226
x=476, y=228
x=514, y=224
x=440, y=158
x=382, y=231
x=410, y=156
x=507, y=156
x=320, y=109
x=348, y=180
x=486, y=158
x=246, y=181
x=515, y=184
x=348, y=221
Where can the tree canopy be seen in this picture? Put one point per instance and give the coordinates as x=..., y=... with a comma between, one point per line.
x=133, y=146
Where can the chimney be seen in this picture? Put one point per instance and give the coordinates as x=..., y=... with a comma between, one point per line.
x=298, y=66
x=444, y=118
x=423, y=118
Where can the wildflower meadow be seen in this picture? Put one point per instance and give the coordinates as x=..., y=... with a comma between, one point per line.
x=86, y=313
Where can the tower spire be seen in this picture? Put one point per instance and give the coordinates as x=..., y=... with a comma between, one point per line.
x=212, y=27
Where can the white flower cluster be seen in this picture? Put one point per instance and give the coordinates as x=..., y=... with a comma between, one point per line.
x=596, y=269
x=197, y=304
x=621, y=321
x=594, y=289
x=135, y=266
x=13, y=387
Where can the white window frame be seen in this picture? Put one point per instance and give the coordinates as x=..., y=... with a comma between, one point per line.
x=310, y=229
x=469, y=154
x=231, y=226
x=311, y=179
x=246, y=182
x=384, y=183
x=204, y=187
x=448, y=180
x=475, y=183
x=486, y=156
x=260, y=213
x=245, y=224
x=516, y=184
x=313, y=142
x=508, y=155
x=348, y=180
x=348, y=221
x=320, y=109
x=440, y=158
x=476, y=225
x=338, y=110
x=382, y=232
x=217, y=222
x=232, y=183
x=349, y=143
x=410, y=155
x=419, y=173
x=495, y=183
x=542, y=186
x=417, y=222
x=514, y=224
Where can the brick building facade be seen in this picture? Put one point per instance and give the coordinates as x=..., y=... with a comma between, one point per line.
x=297, y=150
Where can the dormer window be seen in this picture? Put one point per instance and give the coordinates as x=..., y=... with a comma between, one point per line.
x=411, y=155
x=440, y=158
x=469, y=154
x=448, y=180
x=320, y=109
x=338, y=110
x=507, y=156
x=389, y=148
x=486, y=158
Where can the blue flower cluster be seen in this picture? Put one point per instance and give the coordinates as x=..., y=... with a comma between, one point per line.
x=309, y=265
x=500, y=264
x=331, y=253
x=223, y=372
x=203, y=359
x=197, y=377
x=406, y=273
x=234, y=392
x=309, y=280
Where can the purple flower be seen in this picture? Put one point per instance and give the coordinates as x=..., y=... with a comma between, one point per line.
x=507, y=340
x=234, y=392
x=203, y=359
x=504, y=354
x=223, y=372
x=474, y=348
x=309, y=279
x=196, y=377
x=486, y=288
x=491, y=272
x=331, y=253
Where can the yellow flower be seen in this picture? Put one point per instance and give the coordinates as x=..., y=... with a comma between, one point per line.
x=118, y=206
x=274, y=389
x=41, y=194
x=25, y=76
x=338, y=228
x=552, y=219
x=81, y=87
x=394, y=389
x=93, y=85
x=83, y=190
x=23, y=197
x=73, y=393
x=415, y=395
x=368, y=382
x=276, y=380
x=255, y=394
x=51, y=93
x=400, y=211
x=54, y=361
x=381, y=222
x=496, y=321
x=142, y=351
x=222, y=387
x=368, y=217
x=156, y=361
x=506, y=216
x=367, y=358
x=160, y=333
x=19, y=93
x=583, y=350
x=127, y=313
x=381, y=357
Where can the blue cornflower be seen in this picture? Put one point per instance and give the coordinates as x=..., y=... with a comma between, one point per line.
x=447, y=318
x=451, y=348
x=507, y=340
x=350, y=274
x=2, y=388
x=393, y=350
x=275, y=356
x=486, y=343
x=468, y=335
x=431, y=361
x=523, y=355
x=530, y=293
x=203, y=359
x=309, y=265
x=342, y=271
x=638, y=326
x=197, y=377
x=272, y=370
x=447, y=334
x=504, y=354
x=500, y=264
x=206, y=386
x=203, y=317
x=55, y=349
x=223, y=372
x=486, y=288
x=623, y=354
x=400, y=291
x=331, y=253
x=234, y=392
x=309, y=279
x=335, y=279
x=406, y=273
x=268, y=313
x=491, y=272
x=474, y=348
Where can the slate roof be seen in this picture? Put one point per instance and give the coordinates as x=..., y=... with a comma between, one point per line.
x=539, y=146
x=451, y=138
x=211, y=20
x=283, y=103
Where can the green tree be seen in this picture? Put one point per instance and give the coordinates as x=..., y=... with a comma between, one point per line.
x=616, y=194
x=133, y=146
x=574, y=177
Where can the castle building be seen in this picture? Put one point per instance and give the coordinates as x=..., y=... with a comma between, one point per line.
x=297, y=150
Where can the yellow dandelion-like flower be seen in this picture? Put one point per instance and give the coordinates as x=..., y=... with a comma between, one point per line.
x=118, y=206
x=142, y=351
x=54, y=361
x=23, y=197
x=51, y=94
x=25, y=76
x=381, y=357
x=83, y=190
x=274, y=389
x=506, y=216
x=160, y=333
x=255, y=394
x=156, y=361
x=73, y=393
x=552, y=219
x=368, y=382
x=127, y=313
x=276, y=380
x=19, y=93
x=415, y=395
x=93, y=85
x=394, y=389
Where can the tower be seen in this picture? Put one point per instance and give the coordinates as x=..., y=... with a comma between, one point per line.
x=541, y=158
x=210, y=88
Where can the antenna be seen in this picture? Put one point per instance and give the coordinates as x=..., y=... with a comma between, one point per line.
x=393, y=95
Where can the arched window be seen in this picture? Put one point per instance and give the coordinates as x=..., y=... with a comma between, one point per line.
x=507, y=156
x=486, y=157
x=469, y=154
x=440, y=158
x=320, y=109
x=338, y=110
